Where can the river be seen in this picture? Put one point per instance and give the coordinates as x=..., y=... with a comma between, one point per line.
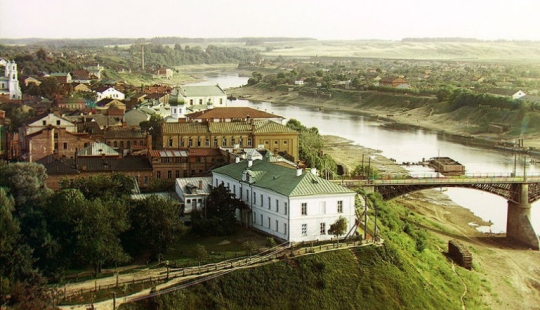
x=407, y=144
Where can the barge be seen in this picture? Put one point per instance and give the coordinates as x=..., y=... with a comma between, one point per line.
x=446, y=166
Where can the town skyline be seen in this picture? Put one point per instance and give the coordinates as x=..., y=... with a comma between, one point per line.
x=344, y=20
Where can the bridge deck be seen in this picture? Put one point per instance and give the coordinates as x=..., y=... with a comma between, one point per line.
x=441, y=181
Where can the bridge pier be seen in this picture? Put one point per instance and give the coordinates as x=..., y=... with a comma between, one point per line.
x=518, y=221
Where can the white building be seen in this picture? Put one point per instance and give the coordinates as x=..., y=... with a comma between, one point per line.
x=9, y=83
x=109, y=92
x=289, y=204
x=191, y=98
x=193, y=192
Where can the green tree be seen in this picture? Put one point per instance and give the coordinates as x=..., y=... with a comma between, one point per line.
x=102, y=185
x=250, y=247
x=98, y=230
x=200, y=253
x=153, y=127
x=155, y=225
x=218, y=216
x=338, y=228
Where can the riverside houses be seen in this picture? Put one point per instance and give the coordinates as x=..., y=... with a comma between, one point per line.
x=290, y=204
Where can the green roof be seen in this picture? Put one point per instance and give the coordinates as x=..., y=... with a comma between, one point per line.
x=281, y=179
x=201, y=91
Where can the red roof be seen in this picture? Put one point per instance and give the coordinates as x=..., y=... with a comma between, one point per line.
x=232, y=113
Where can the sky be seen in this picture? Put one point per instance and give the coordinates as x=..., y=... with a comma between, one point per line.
x=323, y=20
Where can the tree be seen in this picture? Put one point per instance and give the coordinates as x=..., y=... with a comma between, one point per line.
x=101, y=186
x=338, y=228
x=155, y=225
x=98, y=230
x=153, y=127
x=218, y=216
x=200, y=253
x=250, y=247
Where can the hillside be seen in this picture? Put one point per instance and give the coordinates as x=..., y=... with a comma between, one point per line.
x=460, y=51
x=411, y=271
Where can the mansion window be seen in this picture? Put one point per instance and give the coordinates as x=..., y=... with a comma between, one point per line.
x=207, y=142
x=177, y=173
x=269, y=203
x=254, y=217
x=58, y=123
x=215, y=142
x=200, y=101
x=198, y=141
x=190, y=142
x=262, y=220
x=249, y=142
x=340, y=206
x=304, y=229
x=220, y=100
x=65, y=145
x=181, y=142
x=254, y=198
x=224, y=142
x=158, y=175
x=190, y=101
x=268, y=222
x=170, y=142
x=323, y=228
x=285, y=208
x=232, y=141
x=304, y=208
x=277, y=225
x=145, y=180
x=285, y=228
x=277, y=205
x=169, y=174
x=262, y=201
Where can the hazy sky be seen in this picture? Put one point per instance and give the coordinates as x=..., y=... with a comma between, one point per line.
x=329, y=19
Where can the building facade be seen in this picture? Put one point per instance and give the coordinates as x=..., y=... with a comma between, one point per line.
x=289, y=204
x=9, y=83
x=249, y=133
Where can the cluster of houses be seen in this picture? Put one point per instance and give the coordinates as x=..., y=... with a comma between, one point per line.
x=202, y=143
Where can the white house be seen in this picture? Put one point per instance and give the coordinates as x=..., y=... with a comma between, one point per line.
x=40, y=122
x=290, y=204
x=109, y=92
x=193, y=192
x=506, y=92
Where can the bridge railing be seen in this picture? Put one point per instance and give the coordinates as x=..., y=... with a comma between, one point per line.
x=430, y=179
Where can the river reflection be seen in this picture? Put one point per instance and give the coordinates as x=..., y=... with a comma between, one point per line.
x=406, y=144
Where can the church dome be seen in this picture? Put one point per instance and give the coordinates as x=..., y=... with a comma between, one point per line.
x=176, y=99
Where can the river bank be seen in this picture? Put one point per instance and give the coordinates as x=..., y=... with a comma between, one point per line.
x=509, y=269
x=421, y=117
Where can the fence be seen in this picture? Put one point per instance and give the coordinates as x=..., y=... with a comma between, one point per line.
x=280, y=251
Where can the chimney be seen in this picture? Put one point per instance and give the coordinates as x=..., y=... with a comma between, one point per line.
x=314, y=171
x=250, y=162
x=237, y=159
x=200, y=184
x=298, y=171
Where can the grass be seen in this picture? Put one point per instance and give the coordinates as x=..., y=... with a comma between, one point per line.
x=395, y=276
x=182, y=252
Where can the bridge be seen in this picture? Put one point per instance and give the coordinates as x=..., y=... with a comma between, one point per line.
x=519, y=191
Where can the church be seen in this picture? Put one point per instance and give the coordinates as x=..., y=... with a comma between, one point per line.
x=9, y=83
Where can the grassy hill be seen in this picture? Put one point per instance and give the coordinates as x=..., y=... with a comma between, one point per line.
x=395, y=276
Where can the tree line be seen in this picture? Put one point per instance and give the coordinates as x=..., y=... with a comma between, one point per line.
x=88, y=222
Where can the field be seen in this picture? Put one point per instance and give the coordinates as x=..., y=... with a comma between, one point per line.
x=459, y=51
